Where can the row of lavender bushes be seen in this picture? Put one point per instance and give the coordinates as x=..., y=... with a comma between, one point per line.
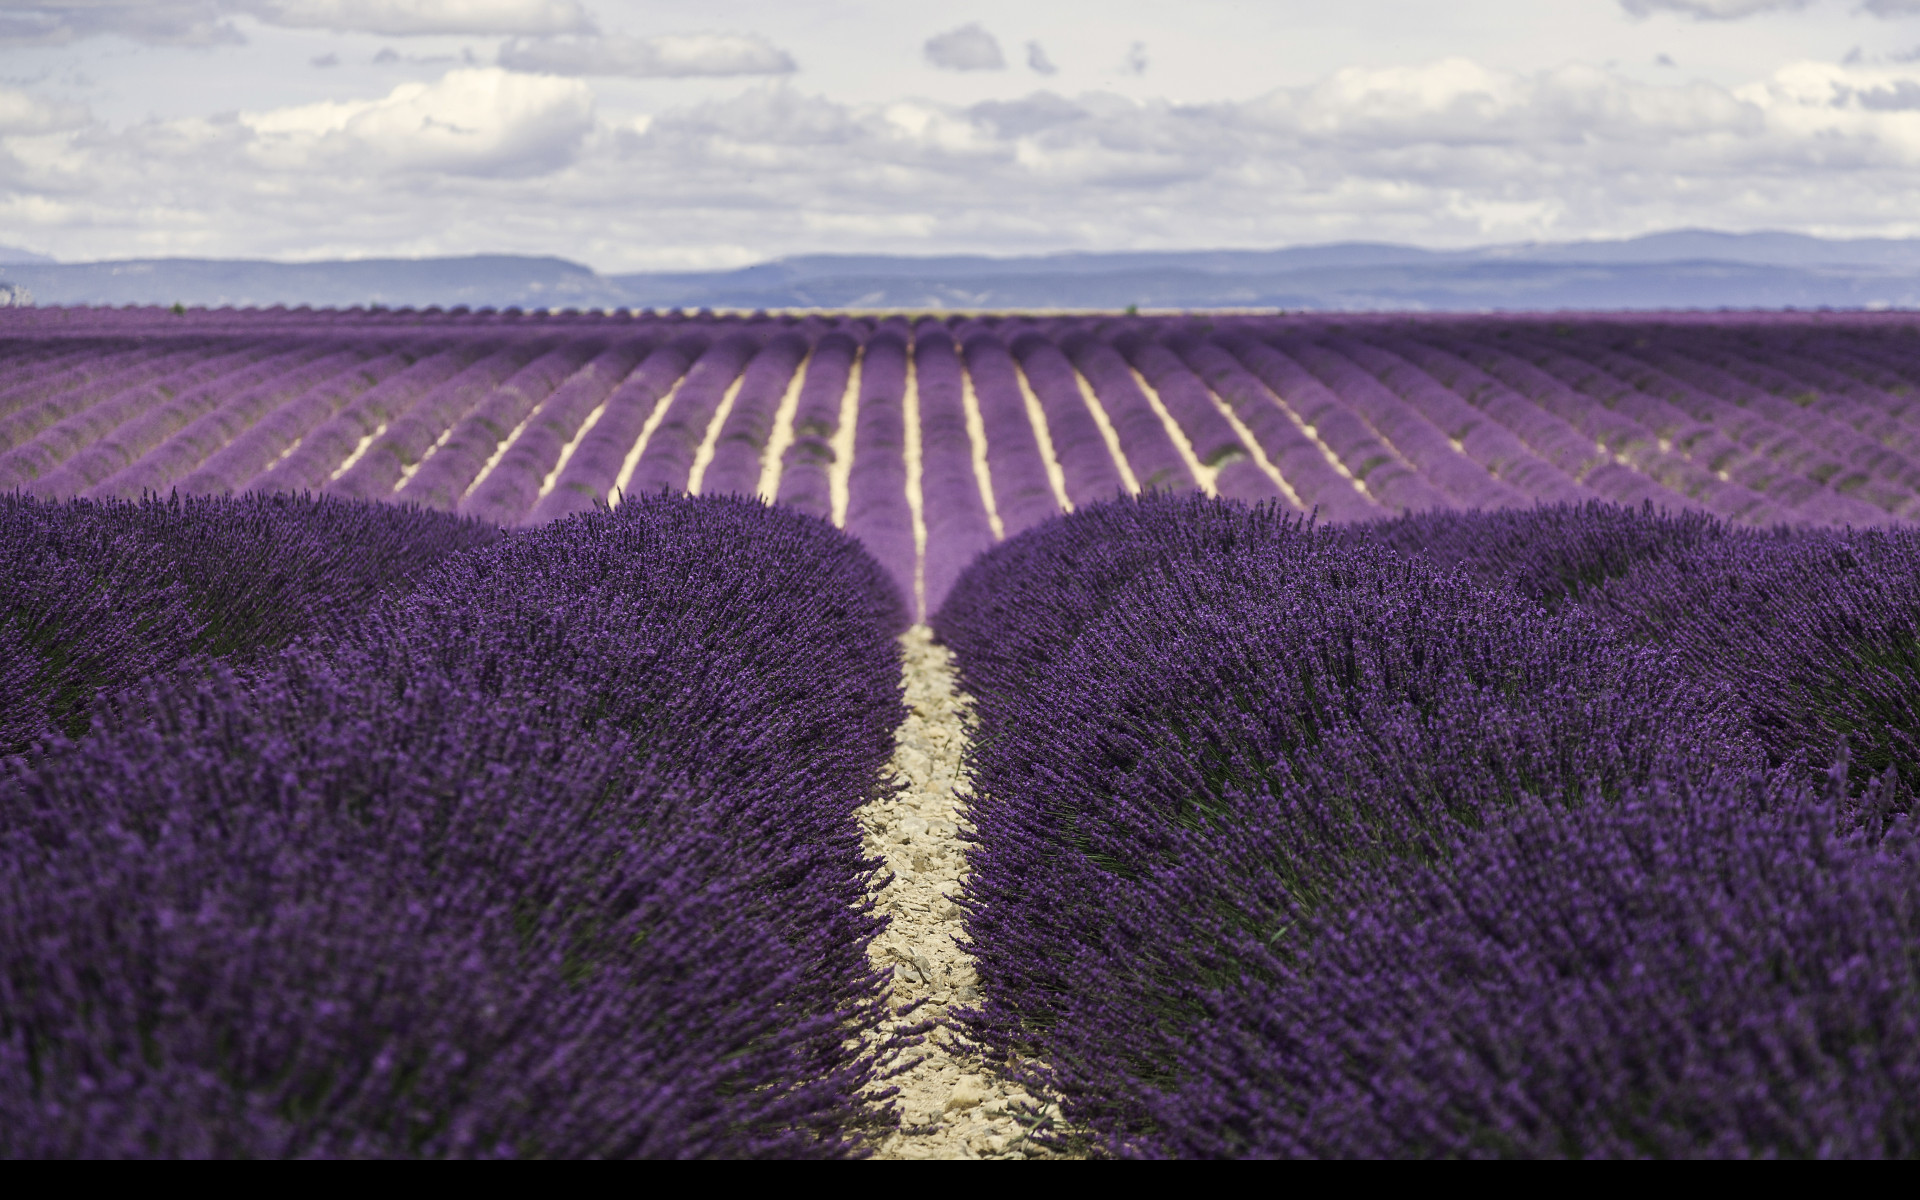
x=347, y=829
x=1507, y=834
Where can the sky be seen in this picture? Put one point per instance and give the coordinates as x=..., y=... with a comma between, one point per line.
x=682, y=135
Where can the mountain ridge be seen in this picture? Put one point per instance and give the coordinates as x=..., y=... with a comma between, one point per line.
x=1674, y=269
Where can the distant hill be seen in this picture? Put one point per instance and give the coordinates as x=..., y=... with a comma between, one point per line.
x=1681, y=269
x=492, y=279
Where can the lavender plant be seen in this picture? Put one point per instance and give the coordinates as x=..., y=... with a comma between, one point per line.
x=552, y=856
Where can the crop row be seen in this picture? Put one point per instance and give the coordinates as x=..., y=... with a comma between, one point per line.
x=340, y=829
x=932, y=439
x=1510, y=834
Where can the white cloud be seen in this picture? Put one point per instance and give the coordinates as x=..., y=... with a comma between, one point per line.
x=484, y=121
x=1448, y=152
x=402, y=17
x=1037, y=59
x=209, y=22
x=968, y=48
x=669, y=56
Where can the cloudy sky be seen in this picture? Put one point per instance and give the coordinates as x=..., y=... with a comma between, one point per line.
x=678, y=134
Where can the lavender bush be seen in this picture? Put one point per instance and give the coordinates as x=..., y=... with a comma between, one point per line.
x=83, y=608
x=552, y=856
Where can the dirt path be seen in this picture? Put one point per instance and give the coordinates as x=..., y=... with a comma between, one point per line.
x=951, y=1105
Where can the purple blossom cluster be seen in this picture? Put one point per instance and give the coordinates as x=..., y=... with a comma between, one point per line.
x=552, y=854
x=1407, y=838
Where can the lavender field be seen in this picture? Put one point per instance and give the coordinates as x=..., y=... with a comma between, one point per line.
x=499, y=734
x=932, y=439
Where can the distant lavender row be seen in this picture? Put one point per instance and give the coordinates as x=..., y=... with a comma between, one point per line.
x=1500, y=834
x=551, y=855
x=521, y=418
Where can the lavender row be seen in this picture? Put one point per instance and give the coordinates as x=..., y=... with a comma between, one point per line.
x=1776, y=462
x=1089, y=470
x=593, y=472
x=300, y=445
x=805, y=481
x=667, y=460
x=1339, y=842
x=1143, y=438
x=507, y=494
x=957, y=527
x=398, y=449
x=66, y=425
x=551, y=855
x=180, y=442
x=877, y=507
x=741, y=443
x=140, y=425
x=1022, y=486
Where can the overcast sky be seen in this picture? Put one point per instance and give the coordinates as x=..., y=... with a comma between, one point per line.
x=680, y=134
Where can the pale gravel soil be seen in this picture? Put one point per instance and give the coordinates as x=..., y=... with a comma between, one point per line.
x=951, y=1104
